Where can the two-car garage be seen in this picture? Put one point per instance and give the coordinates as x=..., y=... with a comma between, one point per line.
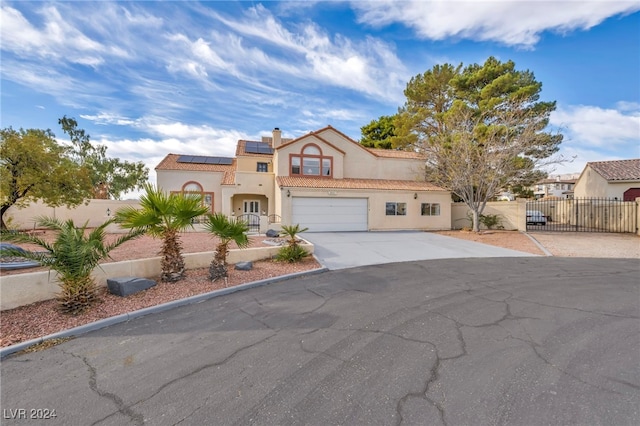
x=330, y=214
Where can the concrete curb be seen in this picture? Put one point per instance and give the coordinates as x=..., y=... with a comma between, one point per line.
x=538, y=244
x=106, y=322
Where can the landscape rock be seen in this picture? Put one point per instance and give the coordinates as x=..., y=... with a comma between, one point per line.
x=272, y=233
x=244, y=266
x=124, y=286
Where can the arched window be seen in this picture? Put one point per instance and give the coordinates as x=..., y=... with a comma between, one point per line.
x=311, y=162
x=193, y=187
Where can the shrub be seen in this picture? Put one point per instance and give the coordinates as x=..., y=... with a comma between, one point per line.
x=291, y=254
x=490, y=220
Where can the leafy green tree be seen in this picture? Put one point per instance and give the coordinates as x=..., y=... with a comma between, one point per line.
x=33, y=166
x=110, y=177
x=227, y=230
x=481, y=128
x=74, y=254
x=378, y=133
x=164, y=216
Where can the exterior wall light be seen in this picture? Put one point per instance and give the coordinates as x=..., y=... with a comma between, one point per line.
x=415, y=196
x=108, y=211
x=288, y=193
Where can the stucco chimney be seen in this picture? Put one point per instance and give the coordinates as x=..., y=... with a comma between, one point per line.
x=277, y=137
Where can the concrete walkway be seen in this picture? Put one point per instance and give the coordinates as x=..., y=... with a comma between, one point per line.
x=339, y=250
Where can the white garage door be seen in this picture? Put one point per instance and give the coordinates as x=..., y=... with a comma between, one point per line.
x=330, y=214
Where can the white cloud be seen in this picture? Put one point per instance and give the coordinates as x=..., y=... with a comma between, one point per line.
x=369, y=66
x=512, y=22
x=599, y=127
x=597, y=134
x=57, y=39
x=104, y=118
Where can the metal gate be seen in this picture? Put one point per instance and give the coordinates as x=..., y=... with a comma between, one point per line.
x=582, y=215
x=252, y=221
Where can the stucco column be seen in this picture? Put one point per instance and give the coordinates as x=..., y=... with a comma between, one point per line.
x=522, y=215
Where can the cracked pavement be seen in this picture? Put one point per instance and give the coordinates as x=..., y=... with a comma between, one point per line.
x=493, y=341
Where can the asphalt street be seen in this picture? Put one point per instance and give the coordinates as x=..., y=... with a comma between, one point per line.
x=484, y=341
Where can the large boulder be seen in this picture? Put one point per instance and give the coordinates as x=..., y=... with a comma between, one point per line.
x=124, y=286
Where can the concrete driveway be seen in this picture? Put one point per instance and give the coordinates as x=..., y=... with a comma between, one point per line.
x=492, y=341
x=338, y=250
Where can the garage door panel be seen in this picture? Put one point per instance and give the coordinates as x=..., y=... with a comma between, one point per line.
x=331, y=214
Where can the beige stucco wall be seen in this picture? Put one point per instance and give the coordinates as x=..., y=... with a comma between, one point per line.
x=23, y=289
x=355, y=163
x=95, y=213
x=511, y=213
x=250, y=163
x=377, y=218
x=174, y=180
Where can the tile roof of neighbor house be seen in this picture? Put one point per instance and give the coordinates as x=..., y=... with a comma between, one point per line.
x=545, y=181
x=617, y=169
x=324, y=183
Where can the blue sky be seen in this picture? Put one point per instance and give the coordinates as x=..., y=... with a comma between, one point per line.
x=151, y=78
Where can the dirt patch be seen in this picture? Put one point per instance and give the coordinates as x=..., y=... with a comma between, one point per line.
x=513, y=240
x=561, y=244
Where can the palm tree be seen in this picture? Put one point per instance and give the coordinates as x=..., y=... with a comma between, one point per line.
x=164, y=216
x=292, y=252
x=292, y=232
x=227, y=230
x=74, y=254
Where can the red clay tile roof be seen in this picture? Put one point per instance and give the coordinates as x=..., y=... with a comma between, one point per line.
x=170, y=162
x=229, y=178
x=241, y=146
x=310, y=182
x=617, y=169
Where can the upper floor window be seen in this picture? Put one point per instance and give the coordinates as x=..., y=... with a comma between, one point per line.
x=311, y=162
x=262, y=167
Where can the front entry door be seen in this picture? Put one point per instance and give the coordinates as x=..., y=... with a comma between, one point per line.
x=251, y=207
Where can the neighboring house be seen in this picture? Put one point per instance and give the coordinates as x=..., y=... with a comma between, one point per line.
x=323, y=180
x=618, y=179
x=557, y=187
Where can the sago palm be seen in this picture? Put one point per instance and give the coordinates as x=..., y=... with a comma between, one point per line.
x=227, y=230
x=74, y=254
x=163, y=216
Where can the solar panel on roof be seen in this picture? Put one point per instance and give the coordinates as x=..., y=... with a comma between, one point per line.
x=252, y=147
x=202, y=159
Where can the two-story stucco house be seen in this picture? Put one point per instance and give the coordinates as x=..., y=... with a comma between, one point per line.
x=323, y=180
x=619, y=179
